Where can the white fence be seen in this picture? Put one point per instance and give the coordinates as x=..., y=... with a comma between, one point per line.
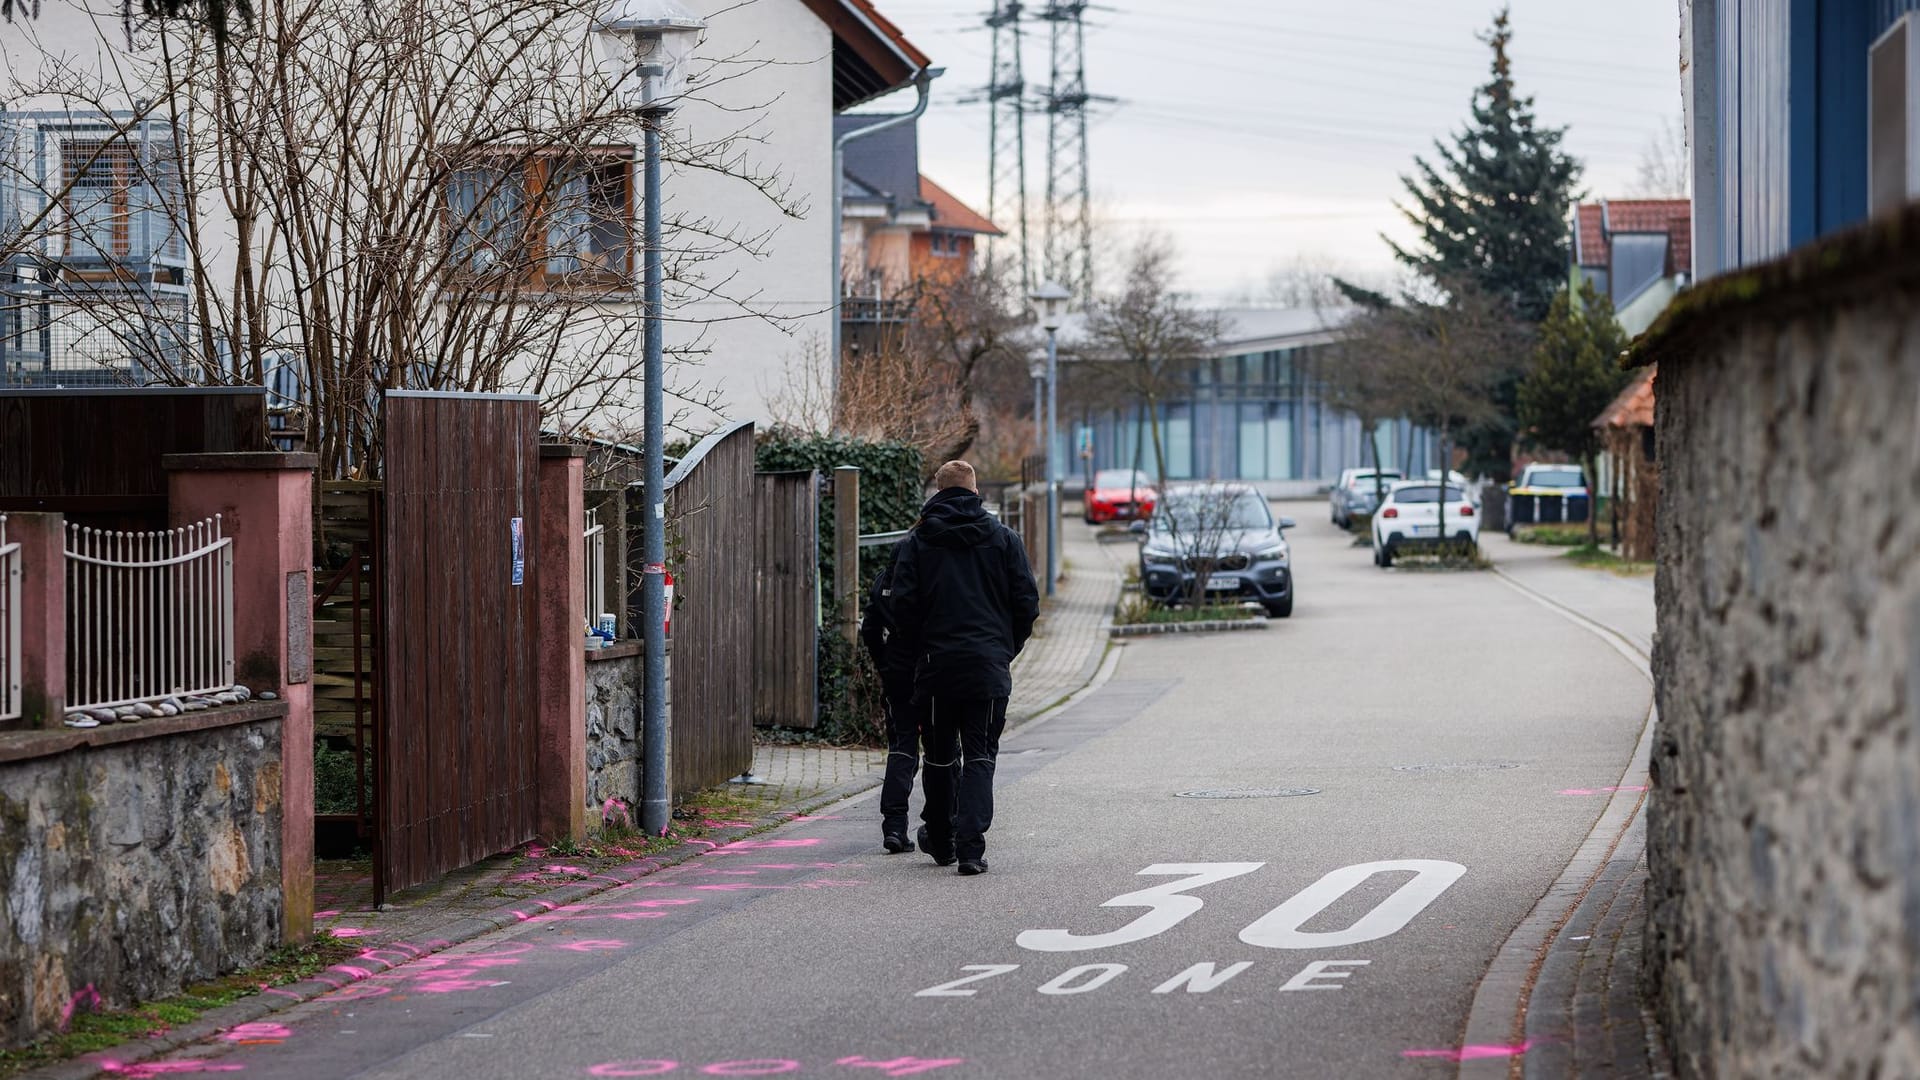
x=596, y=536
x=149, y=614
x=10, y=704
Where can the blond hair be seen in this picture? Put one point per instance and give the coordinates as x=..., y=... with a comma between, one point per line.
x=956, y=474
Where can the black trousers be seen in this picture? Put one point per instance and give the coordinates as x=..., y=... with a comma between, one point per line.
x=903, y=758
x=962, y=742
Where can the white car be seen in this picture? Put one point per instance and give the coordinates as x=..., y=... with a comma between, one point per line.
x=1410, y=518
x=1472, y=489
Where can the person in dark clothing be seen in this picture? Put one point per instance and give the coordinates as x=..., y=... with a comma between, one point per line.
x=963, y=602
x=895, y=666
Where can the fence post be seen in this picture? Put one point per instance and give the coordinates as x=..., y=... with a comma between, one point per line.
x=43, y=616
x=265, y=503
x=846, y=550
x=560, y=653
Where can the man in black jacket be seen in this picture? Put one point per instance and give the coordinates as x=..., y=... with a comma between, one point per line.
x=963, y=603
x=894, y=663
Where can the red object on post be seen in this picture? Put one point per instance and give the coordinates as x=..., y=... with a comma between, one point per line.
x=666, y=618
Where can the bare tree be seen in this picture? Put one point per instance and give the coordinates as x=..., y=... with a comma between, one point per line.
x=1664, y=164
x=427, y=194
x=1147, y=337
x=1444, y=355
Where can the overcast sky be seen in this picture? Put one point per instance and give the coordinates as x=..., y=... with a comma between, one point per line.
x=1259, y=132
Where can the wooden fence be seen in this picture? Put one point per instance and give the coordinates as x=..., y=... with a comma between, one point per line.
x=786, y=599
x=710, y=552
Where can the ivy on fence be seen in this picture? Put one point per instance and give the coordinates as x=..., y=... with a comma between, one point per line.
x=890, y=488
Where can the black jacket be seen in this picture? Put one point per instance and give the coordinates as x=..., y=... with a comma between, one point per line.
x=963, y=598
x=891, y=659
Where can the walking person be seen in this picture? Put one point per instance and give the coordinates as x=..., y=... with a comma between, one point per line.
x=963, y=601
x=894, y=663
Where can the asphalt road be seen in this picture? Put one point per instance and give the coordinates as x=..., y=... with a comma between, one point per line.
x=1436, y=719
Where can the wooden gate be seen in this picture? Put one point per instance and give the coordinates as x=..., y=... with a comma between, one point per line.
x=786, y=599
x=457, y=657
x=710, y=526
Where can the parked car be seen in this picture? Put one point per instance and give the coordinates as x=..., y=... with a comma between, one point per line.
x=1472, y=489
x=1410, y=518
x=1548, y=493
x=1356, y=493
x=1119, y=495
x=1223, y=537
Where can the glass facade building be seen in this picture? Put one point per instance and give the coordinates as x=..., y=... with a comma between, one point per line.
x=1251, y=414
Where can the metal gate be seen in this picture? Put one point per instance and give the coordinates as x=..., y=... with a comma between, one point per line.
x=458, y=682
x=786, y=599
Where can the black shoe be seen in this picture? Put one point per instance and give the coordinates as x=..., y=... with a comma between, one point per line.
x=975, y=865
x=942, y=853
x=896, y=842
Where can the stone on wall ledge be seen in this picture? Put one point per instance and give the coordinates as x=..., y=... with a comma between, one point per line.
x=26, y=745
x=1867, y=260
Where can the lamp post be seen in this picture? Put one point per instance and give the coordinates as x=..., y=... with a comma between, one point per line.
x=1050, y=300
x=644, y=48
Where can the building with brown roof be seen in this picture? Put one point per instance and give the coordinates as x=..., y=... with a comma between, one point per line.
x=1636, y=252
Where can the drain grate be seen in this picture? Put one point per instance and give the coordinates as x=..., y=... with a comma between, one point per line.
x=1457, y=766
x=1247, y=793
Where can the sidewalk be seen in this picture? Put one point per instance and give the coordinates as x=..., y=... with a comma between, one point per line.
x=1067, y=646
x=1584, y=1015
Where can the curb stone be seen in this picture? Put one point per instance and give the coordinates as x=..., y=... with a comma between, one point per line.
x=1211, y=626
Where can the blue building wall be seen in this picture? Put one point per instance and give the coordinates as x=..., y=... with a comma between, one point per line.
x=1791, y=81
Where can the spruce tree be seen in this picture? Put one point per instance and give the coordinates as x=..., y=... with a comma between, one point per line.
x=1494, y=208
x=1574, y=376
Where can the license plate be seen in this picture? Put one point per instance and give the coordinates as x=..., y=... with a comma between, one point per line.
x=1222, y=582
x=1426, y=530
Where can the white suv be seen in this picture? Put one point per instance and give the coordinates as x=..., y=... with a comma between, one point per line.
x=1410, y=518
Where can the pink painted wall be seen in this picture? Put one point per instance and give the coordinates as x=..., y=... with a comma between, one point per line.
x=43, y=616
x=265, y=503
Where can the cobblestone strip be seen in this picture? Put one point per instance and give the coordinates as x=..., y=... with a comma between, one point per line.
x=1072, y=634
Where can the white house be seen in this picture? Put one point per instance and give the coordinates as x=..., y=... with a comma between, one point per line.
x=748, y=200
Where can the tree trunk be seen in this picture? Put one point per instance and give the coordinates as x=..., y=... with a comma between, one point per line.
x=1446, y=459
x=1593, y=500
x=1379, y=481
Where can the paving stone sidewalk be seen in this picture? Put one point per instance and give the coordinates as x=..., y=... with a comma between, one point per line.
x=1585, y=1016
x=1068, y=645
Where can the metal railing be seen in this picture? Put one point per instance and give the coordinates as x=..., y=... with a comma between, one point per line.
x=596, y=537
x=10, y=704
x=149, y=614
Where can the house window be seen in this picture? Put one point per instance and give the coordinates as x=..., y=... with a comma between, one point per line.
x=946, y=245
x=117, y=199
x=547, y=218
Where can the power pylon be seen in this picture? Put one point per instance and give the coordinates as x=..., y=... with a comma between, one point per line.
x=1007, y=143
x=1069, y=225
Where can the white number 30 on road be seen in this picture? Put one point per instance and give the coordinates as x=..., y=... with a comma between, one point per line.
x=1169, y=905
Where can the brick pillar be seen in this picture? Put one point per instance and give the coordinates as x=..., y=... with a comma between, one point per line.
x=43, y=616
x=265, y=503
x=559, y=652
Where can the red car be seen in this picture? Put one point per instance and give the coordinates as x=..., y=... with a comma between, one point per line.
x=1119, y=495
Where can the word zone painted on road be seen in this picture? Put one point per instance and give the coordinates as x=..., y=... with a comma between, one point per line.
x=1169, y=904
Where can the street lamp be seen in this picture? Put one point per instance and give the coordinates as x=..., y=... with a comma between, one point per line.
x=645, y=47
x=1050, y=303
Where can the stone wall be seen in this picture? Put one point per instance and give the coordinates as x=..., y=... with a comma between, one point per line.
x=135, y=860
x=613, y=728
x=1784, y=819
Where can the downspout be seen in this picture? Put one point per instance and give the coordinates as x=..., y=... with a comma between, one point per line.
x=922, y=82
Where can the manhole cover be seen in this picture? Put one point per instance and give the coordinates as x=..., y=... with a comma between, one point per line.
x=1457, y=766
x=1247, y=793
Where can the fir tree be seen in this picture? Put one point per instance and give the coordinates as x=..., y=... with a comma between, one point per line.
x=1493, y=209
x=1574, y=376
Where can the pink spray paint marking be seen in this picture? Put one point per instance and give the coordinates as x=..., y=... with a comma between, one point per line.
x=326, y=914
x=905, y=1066
x=256, y=1033
x=643, y=1067
x=359, y=992
x=742, y=846
x=457, y=986
x=86, y=995
x=348, y=932
x=1472, y=1052
x=751, y=1067
x=166, y=1068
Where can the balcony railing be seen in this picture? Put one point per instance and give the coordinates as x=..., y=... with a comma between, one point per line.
x=92, y=334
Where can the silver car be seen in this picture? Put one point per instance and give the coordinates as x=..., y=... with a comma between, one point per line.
x=1358, y=493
